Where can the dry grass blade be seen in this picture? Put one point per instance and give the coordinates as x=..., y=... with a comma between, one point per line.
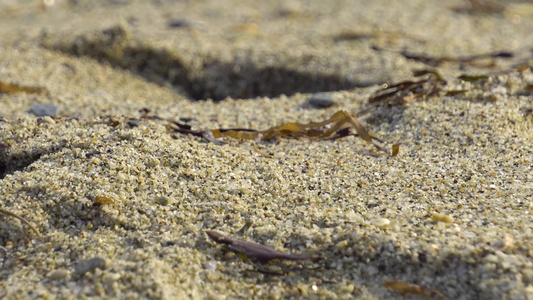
x=6, y=212
x=10, y=88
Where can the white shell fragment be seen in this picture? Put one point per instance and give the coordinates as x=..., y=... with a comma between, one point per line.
x=58, y=274
x=382, y=223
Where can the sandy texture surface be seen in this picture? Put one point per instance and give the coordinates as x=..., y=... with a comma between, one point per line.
x=123, y=201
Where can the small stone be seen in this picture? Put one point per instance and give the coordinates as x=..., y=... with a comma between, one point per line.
x=290, y=9
x=184, y=23
x=492, y=258
x=47, y=120
x=529, y=291
x=341, y=245
x=210, y=265
x=395, y=225
x=435, y=217
x=47, y=109
x=88, y=265
x=162, y=200
x=382, y=223
x=109, y=279
x=58, y=274
x=134, y=122
x=347, y=288
x=321, y=100
x=508, y=241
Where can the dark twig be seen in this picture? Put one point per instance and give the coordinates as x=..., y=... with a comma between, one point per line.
x=256, y=251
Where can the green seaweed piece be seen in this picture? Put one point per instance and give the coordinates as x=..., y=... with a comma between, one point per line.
x=473, y=78
x=409, y=91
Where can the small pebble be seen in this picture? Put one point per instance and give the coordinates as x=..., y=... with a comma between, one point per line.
x=187, y=120
x=321, y=100
x=47, y=109
x=290, y=9
x=381, y=223
x=395, y=225
x=134, y=122
x=184, y=23
x=341, y=245
x=435, y=217
x=210, y=265
x=246, y=28
x=47, y=120
x=162, y=200
x=58, y=274
x=88, y=265
x=109, y=279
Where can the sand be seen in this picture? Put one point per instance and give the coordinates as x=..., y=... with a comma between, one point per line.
x=123, y=202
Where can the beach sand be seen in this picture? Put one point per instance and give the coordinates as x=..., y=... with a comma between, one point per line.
x=123, y=200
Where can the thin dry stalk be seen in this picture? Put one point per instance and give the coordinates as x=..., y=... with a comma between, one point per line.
x=6, y=212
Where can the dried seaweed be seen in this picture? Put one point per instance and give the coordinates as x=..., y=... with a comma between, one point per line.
x=334, y=127
x=10, y=88
x=418, y=90
x=409, y=288
x=102, y=200
x=437, y=61
x=481, y=7
x=410, y=91
x=6, y=212
x=523, y=68
x=350, y=35
x=293, y=129
x=255, y=251
x=455, y=92
x=399, y=94
x=396, y=149
x=355, y=35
